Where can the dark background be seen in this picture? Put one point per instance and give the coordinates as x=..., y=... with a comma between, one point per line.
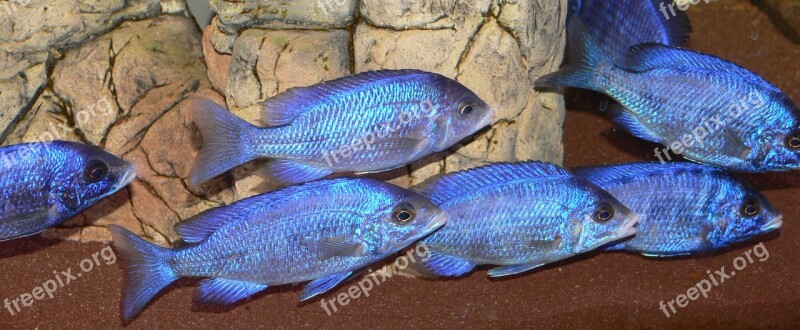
x=607, y=290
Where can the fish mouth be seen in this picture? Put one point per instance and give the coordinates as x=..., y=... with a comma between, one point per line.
x=630, y=227
x=438, y=221
x=130, y=175
x=773, y=224
x=488, y=120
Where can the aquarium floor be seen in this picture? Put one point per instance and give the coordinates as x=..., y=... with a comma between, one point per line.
x=610, y=290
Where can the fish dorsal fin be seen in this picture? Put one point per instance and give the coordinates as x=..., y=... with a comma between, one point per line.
x=619, y=174
x=283, y=108
x=650, y=56
x=199, y=227
x=632, y=123
x=676, y=28
x=444, y=187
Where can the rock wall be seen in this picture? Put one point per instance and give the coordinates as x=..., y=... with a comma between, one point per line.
x=117, y=73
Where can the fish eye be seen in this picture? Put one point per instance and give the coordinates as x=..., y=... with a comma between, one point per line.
x=403, y=214
x=750, y=208
x=465, y=109
x=793, y=141
x=95, y=171
x=604, y=213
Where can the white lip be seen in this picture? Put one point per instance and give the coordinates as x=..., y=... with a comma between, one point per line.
x=630, y=226
x=628, y=230
x=130, y=175
x=489, y=119
x=773, y=224
x=437, y=222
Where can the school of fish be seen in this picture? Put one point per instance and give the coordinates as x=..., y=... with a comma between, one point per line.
x=514, y=216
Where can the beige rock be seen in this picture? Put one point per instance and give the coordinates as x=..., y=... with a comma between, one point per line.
x=127, y=90
x=235, y=16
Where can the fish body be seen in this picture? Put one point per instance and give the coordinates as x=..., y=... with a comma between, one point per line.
x=44, y=184
x=369, y=122
x=618, y=25
x=321, y=232
x=684, y=208
x=519, y=216
x=707, y=109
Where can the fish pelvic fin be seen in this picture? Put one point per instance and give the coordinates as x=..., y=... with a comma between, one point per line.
x=586, y=62
x=147, y=270
x=224, y=146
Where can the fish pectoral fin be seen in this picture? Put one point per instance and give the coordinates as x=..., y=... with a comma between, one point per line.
x=322, y=285
x=225, y=292
x=335, y=247
x=513, y=269
x=545, y=244
x=28, y=223
x=734, y=146
x=441, y=265
x=398, y=144
x=287, y=172
x=38, y=217
x=632, y=123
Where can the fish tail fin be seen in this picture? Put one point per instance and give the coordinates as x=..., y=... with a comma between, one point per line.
x=587, y=62
x=147, y=270
x=224, y=141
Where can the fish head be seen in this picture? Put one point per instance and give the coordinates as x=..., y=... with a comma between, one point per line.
x=407, y=218
x=88, y=174
x=778, y=147
x=745, y=213
x=601, y=220
x=458, y=113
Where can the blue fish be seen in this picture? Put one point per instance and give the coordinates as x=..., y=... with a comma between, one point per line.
x=321, y=232
x=44, y=184
x=519, y=216
x=618, y=25
x=704, y=108
x=685, y=208
x=369, y=122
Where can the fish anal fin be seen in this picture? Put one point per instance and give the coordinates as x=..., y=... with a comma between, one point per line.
x=322, y=285
x=225, y=292
x=513, y=269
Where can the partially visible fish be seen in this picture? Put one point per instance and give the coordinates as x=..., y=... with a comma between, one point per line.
x=618, y=25
x=517, y=215
x=707, y=109
x=44, y=184
x=684, y=208
x=369, y=122
x=321, y=232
